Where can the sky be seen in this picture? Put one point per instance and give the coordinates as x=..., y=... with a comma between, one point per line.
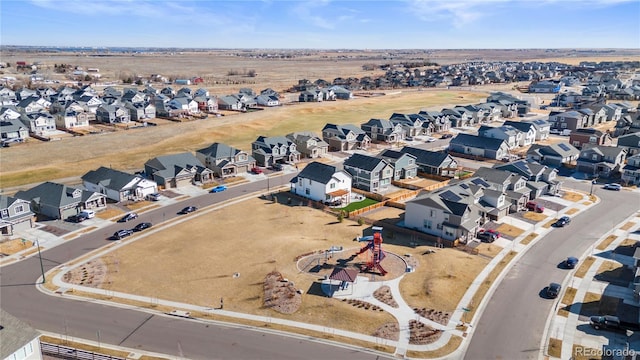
x=323, y=24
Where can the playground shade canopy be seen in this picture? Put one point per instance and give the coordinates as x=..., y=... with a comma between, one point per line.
x=343, y=274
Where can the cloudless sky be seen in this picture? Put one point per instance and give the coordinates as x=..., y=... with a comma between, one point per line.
x=323, y=24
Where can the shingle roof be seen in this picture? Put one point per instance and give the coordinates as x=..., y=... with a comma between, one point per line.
x=53, y=194
x=477, y=141
x=318, y=172
x=169, y=165
x=14, y=334
x=218, y=151
x=364, y=162
x=426, y=157
x=109, y=178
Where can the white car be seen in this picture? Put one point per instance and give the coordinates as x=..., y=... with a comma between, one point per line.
x=430, y=139
x=616, y=187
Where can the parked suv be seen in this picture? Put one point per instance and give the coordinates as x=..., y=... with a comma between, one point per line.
x=122, y=233
x=553, y=290
x=486, y=236
x=616, y=187
x=562, y=221
x=128, y=217
x=533, y=206
x=605, y=322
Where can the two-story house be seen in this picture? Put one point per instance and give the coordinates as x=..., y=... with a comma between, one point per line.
x=512, y=136
x=225, y=161
x=631, y=171
x=527, y=129
x=177, y=170
x=553, y=154
x=568, y=120
x=601, y=161
x=368, y=172
x=309, y=144
x=118, y=185
x=630, y=142
x=438, y=121
x=542, y=127
x=479, y=146
x=541, y=179
x=112, y=114
x=411, y=123
x=513, y=185
x=433, y=162
x=345, y=137
x=383, y=130
x=275, y=149
x=15, y=215
x=404, y=164
x=591, y=136
x=322, y=182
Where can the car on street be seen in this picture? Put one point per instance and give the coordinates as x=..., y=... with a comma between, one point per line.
x=188, y=209
x=142, y=226
x=486, y=236
x=570, y=262
x=615, y=187
x=78, y=218
x=219, y=188
x=430, y=139
x=565, y=220
x=605, y=322
x=120, y=234
x=154, y=197
x=128, y=217
x=256, y=170
x=533, y=206
x=446, y=136
x=553, y=290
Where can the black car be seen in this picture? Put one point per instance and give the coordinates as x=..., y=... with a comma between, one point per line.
x=486, y=236
x=188, y=209
x=128, y=217
x=553, y=290
x=77, y=218
x=276, y=166
x=562, y=221
x=122, y=234
x=446, y=136
x=142, y=226
x=605, y=322
x=571, y=262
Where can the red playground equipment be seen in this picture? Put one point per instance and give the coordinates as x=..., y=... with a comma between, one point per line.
x=376, y=255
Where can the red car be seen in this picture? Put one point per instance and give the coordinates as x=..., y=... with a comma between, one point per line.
x=256, y=170
x=532, y=206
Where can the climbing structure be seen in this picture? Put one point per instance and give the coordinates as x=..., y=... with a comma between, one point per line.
x=374, y=246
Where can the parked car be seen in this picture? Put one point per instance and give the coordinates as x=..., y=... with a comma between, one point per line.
x=128, y=217
x=336, y=202
x=562, y=221
x=276, y=166
x=142, y=226
x=188, y=209
x=219, y=188
x=533, y=206
x=553, y=290
x=122, y=233
x=154, y=197
x=486, y=236
x=408, y=138
x=446, y=136
x=615, y=187
x=89, y=214
x=570, y=262
x=78, y=218
x=430, y=139
x=256, y=170
x=605, y=322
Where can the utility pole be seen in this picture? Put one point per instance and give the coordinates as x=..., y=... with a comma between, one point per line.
x=40, y=258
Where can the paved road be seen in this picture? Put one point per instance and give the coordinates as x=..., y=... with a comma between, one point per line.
x=512, y=325
x=140, y=330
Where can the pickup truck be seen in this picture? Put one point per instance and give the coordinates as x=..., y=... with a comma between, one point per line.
x=609, y=322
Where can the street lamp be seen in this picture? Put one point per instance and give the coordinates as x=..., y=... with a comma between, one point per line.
x=40, y=257
x=592, y=183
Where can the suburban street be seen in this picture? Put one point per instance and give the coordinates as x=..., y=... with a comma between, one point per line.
x=137, y=329
x=513, y=323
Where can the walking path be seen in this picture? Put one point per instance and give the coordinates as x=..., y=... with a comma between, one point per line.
x=362, y=290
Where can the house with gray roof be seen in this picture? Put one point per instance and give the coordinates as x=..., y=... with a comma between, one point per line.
x=368, y=172
x=438, y=121
x=541, y=179
x=589, y=136
x=118, y=185
x=226, y=161
x=478, y=146
x=384, y=130
x=19, y=340
x=345, y=137
x=413, y=124
x=404, y=164
x=58, y=201
x=512, y=136
x=230, y=102
x=527, y=129
x=630, y=142
x=512, y=184
x=13, y=130
x=309, y=144
x=433, y=162
x=40, y=123
x=112, y=114
x=459, y=116
x=341, y=93
x=15, y=215
x=568, y=120
x=275, y=149
x=542, y=127
x=322, y=182
x=601, y=161
x=171, y=171
x=553, y=154
x=631, y=171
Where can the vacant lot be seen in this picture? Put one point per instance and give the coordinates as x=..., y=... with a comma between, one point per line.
x=221, y=254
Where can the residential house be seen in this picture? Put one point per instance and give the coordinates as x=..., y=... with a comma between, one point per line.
x=459, y=117
x=41, y=123
x=631, y=171
x=341, y=93
x=13, y=129
x=580, y=137
x=118, y=185
x=528, y=130
x=512, y=136
x=553, y=154
x=548, y=87
x=433, y=162
x=309, y=144
x=205, y=102
x=72, y=118
x=601, y=161
x=404, y=164
x=226, y=161
x=177, y=170
x=512, y=184
x=383, y=130
x=570, y=120
x=322, y=182
x=479, y=146
x=15, y=215
x=345, y=137
x=184, y=103
x=613, y=112
x=33, y=104
x=412, y=124
x=438, y=121
x=630, y=142
x=275, y=149
x=368, y=172
x=19, y=339
x=230, y=102
x=541, y=179
x=267, y=100
x=141, y=111
x=523, y=106
x=311, y=95
x=542, y=127
x=58, y=201
x=112, y=114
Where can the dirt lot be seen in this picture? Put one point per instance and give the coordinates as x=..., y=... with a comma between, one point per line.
x=190, y=262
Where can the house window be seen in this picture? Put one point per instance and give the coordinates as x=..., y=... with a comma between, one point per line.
x=410, y=161
x=432, y=213
x=5, y=213
x=307, y=191
x=427, y=224
x=376, y=174
x=332, y=186
x=594, y=157
x=309, y=181
x=19, y=209
x=439, y=226
x=448, y=232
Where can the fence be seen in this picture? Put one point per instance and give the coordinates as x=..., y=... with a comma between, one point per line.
x=66, y=352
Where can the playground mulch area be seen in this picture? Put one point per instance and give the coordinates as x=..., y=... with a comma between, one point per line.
x=227, y=254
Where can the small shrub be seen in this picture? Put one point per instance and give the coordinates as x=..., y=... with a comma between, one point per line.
x=360, y=221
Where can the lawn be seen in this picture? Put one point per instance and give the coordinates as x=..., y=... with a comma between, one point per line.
x=528, y=239
x=606, y=242
x=359, y=205
x=584, y=267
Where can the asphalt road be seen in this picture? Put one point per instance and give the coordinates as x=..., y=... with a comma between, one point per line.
x=137, y=329
x=512, y=325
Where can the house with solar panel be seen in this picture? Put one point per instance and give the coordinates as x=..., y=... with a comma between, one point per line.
x=513, y=185
x=322, y=182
